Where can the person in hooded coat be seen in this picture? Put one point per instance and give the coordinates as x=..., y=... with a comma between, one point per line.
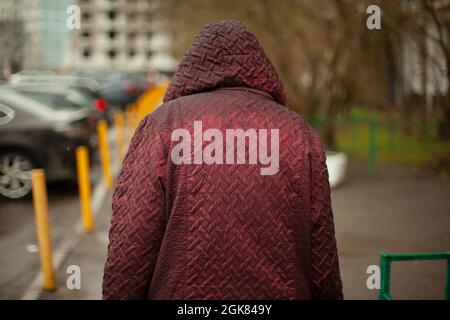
x=196, y=230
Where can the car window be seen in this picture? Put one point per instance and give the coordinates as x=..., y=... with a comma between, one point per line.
x=76, y=97
x=71, y=99
x=106, y=78
x=19, y=100
x=42, y=97
x=21, y=103
x=6, y=114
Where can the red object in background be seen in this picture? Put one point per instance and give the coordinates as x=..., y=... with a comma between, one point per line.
x=100, y=104
x=132, y=90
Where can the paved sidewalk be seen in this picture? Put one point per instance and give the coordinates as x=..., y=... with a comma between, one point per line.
x=90, y=252
x=404, y=214
x=90, y=256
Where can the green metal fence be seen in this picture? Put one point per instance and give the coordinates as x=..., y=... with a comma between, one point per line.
x=385, y=265
x=384, y=139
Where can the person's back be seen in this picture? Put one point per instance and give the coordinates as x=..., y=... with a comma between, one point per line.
x=224, y=191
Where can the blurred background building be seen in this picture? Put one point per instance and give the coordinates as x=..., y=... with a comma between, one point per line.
x=423, y=56
x=45, y=43
x=120, y=34
x=11, y=31
x=114, y=34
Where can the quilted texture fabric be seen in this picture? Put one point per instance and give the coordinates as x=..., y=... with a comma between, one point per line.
x=223, y=231
x=225, y=55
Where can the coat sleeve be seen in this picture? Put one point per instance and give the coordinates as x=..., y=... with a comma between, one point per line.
x=137, y=224
x=325, y=263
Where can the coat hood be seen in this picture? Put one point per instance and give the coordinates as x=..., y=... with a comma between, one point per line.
x=225, y=54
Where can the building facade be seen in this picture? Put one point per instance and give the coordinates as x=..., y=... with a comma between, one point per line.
x=11, y=34
x=120, y=34
x=46, y=40
x=113, y=34
x=423, y=61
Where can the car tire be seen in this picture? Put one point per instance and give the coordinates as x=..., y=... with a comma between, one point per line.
x=15, y=173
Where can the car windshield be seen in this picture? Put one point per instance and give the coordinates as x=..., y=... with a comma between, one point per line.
x=70, y=99
x=17, y=100
x=104, y=78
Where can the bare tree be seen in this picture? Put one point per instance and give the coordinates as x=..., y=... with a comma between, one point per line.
x=327, y=58
x=439, y=16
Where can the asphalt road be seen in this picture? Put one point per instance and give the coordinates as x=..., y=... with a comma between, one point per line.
x=19, y=259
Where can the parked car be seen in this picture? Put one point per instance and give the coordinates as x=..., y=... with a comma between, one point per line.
x=118, y=88
x=87, y=85
x=31, y=74
x=62, y=96
x=38, y=135
x=49, y=77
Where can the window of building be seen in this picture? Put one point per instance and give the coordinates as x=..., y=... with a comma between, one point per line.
x=112, y=34
x=112, y=54
x=132, y=35
x=131, y=53
x=86, y=34
x=148, y=54
x=112, y=14
x=87, y=53
x=86, y=16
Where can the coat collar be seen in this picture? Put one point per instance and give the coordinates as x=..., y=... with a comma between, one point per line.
x=245, y=89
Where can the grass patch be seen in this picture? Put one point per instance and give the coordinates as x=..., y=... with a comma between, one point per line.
x=393, y=144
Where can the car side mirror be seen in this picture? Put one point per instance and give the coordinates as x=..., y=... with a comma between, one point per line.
x=6, y=114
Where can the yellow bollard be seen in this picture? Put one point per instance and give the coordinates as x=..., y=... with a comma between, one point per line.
x=142, y=108
x=118, y=124
x=135, y=117
x=130, y=123
x=102, y=129
x=40, y=202
x=84, y=186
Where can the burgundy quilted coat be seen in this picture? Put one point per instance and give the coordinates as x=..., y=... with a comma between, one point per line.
x=223, y=231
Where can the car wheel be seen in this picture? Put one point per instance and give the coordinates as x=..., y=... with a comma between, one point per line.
x=15, y=174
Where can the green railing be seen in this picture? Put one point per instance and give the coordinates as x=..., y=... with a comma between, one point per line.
x=385, y=265
x=384, y=139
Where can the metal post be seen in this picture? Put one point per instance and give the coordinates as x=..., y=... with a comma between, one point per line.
x=372, y=146
x=102, y=129
x=353, y=129
x=40, y=202
x=426, y=135
x=391, y=124
x=84, y=186
x=385, y=266
x=130, y=123
x=447, y=281
x=118, y=125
